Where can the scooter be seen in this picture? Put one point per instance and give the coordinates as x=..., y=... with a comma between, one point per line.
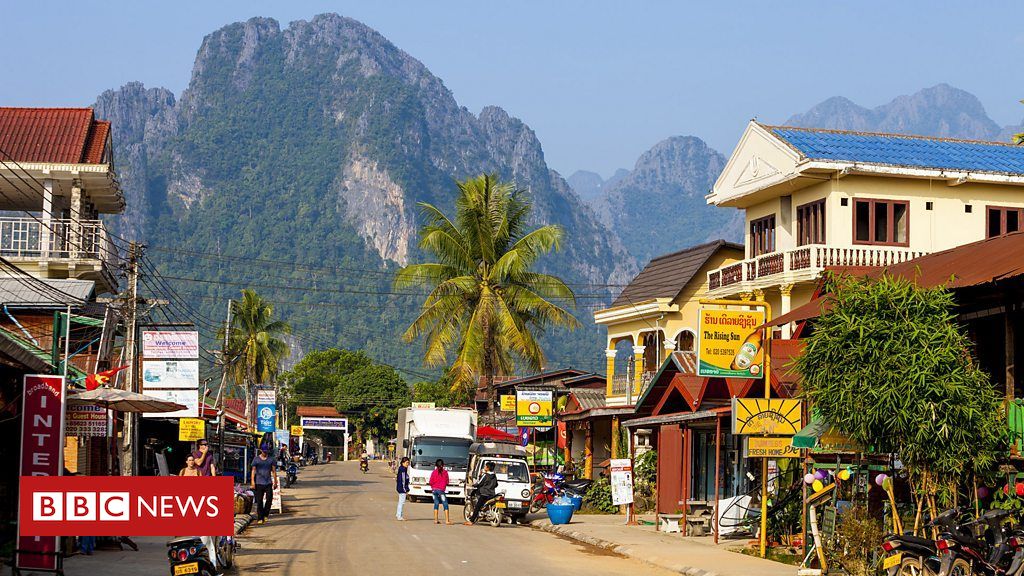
x=545, y=489
x=493, y=510
x=964, y=554
x=188, y=555
x=364, y=465
x=909, y=554
x=291, y=474
x=578, y=487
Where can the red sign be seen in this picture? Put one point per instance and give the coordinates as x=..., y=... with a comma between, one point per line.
x=136, y=505
x=42, y=455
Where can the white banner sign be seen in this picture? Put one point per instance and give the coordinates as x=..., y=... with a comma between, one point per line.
x=310, y=423
x=187, y=398
x=85, y=420
x=170, y=374
x=160, y=344
x=622, y=481
x=266, y=396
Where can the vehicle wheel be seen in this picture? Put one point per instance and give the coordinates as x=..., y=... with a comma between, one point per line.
x=910, y=567
x=535, y=506
x=496, y=517
x=960, y=567
x=467, y=511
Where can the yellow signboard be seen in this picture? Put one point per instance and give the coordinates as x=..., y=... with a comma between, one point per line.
x=771, y=447
x=730, y=344
x=191, y=429
x=508, y=403
x=761, y=416
x=296, y=430
x=533, y=408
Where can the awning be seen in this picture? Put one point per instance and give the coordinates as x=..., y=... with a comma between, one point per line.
x=812, y=309
x=676, y=418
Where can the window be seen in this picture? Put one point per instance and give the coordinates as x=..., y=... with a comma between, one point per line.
x=881, y=222
x=762, y=236
x=810, y=220
x=684, y=341
x=1002, y=220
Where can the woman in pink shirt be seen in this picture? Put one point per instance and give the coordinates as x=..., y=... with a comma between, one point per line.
x=438, y=485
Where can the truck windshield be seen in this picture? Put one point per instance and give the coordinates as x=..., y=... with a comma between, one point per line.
x=454, y=452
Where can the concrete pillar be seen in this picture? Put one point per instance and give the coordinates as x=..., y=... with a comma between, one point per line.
x=615, y=437
x=638, y=368
x=75, y=235
x=759, y=295
x=47, y=218
x=786, y=290
x=588, y=452
x=610, y=369
x=670, y=347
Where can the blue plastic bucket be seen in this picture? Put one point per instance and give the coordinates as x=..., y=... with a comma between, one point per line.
x=577, y=502
x=560, y=513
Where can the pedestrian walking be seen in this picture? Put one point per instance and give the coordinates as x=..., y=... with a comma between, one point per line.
x=264, y=480
x=438, y=487
x=204, y=459
x=402, y=486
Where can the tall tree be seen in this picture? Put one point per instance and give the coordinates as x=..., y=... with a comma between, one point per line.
x=486, y=305
x=254, y=342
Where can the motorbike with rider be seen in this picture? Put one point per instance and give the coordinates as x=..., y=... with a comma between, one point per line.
x=481, y=498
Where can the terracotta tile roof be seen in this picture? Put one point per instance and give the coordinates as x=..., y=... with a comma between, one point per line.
x=57, y=135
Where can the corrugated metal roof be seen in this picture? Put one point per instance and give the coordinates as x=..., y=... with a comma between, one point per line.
x=56, y=135
x=666, y=276
x=589, y=399
x=903, y=150
x=20, y=292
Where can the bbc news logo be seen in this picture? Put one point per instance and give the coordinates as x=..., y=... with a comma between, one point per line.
x=143, y=506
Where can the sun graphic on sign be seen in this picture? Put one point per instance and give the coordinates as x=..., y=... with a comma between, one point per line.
x=763, y=416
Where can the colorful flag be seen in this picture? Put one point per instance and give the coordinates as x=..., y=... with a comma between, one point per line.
x=94, y=381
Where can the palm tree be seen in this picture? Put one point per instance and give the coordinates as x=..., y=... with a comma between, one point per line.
x=486, y=303
x=254, y=343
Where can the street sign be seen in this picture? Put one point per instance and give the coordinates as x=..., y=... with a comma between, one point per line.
x=266, y=410
x=730, y=343
x=296, y=430
x=170, y=374
x=424, y=405
x=191, y=429
x=42, y=451
x=767, y=417
x=533, y=408
x=622, y=481
x=84, y=420
x=170, y=344
x=771, y=447
x=508, y=403
x=187, y=398
x=310, y=423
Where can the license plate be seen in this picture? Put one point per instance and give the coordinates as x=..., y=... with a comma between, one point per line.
x=192, y=568
x=515, y=504
x=499, y=505
x=892, y=561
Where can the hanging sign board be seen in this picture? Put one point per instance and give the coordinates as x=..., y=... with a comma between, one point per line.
x=191, y=429
x=309, y=423
x=771, y=447
x=424, y=405
x=296, y=430
x=166, y=344
x=281, y=437
x=84, y=420
x=266, y=410
x=187, y=398
x=533, y=408
x=170, y=374
x=767, y=417
x=622, y=481
x=508, y=403
x=730, y=344
x=42, y=450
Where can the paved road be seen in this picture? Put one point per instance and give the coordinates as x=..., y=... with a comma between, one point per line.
x=340, y=521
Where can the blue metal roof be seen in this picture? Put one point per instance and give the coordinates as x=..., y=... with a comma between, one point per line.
x=901, y=150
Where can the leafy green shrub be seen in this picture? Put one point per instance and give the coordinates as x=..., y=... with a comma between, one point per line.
x=599, y=498
x=645, y=472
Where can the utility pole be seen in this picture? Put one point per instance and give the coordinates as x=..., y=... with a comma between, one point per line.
x=219, y=403
x=131, y=419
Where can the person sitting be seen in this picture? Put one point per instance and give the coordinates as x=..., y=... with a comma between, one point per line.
x=483, y=490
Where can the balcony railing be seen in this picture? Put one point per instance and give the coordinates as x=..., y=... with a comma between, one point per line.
x=813, y=258
x=31, y=239
x=625, y=385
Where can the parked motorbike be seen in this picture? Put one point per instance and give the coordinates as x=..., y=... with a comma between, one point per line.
x=989, y=553
x=909, y=555
x=291, y=474
x=188, y=555
x=493, y=510
x=545, y=489
x=578, y=487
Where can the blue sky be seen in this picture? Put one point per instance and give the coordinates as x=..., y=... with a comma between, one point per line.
x=600, y=82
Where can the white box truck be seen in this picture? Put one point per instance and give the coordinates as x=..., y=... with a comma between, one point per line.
x=428, y=434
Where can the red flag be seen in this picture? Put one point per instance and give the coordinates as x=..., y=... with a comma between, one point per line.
x=94, y=381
